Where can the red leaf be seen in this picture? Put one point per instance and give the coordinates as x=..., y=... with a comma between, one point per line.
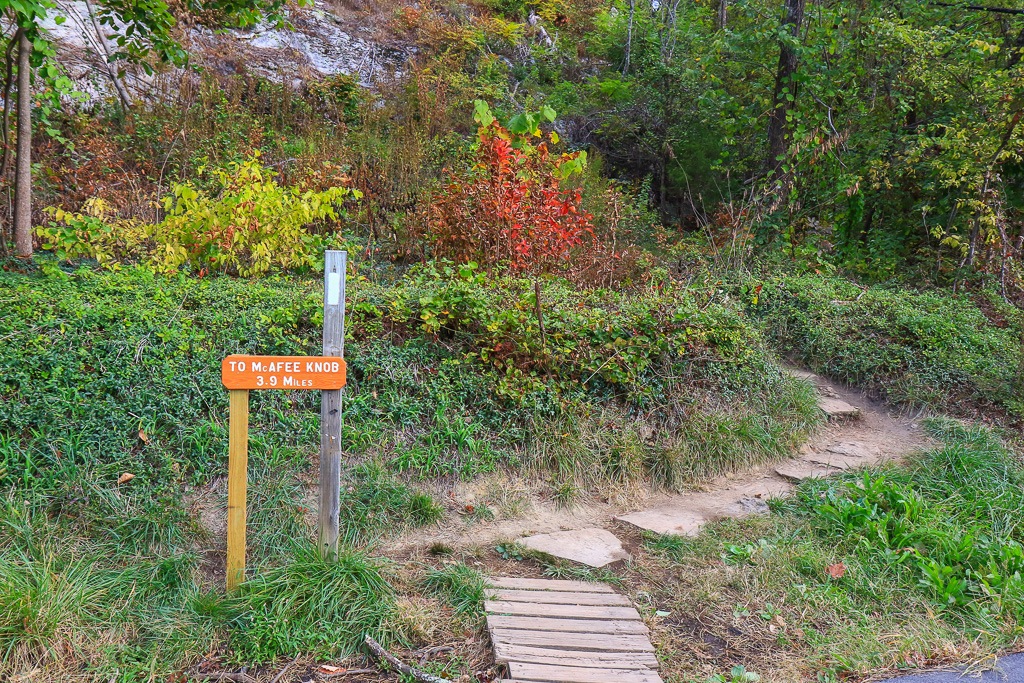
x=836, y=571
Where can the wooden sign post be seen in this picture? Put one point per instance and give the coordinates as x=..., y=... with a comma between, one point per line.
x=239, y=374
x=330, y=404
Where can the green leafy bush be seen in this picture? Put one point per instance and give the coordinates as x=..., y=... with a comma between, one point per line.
x=248, y=225
x=238, y=221
x=914, y=347
x=93, y=234
x=946, y=527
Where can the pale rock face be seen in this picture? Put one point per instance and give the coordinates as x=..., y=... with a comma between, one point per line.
x=316, y=46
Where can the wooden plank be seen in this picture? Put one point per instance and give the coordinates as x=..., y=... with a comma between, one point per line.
x=330, y=403
x=605, y=642
x=549, y=585
x=557, y=597
x=568, y=611
x=576, y=674
x=505, y=653
x=238, y=466
x=567, y=625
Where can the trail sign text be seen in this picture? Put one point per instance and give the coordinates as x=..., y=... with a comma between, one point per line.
x=282, y=372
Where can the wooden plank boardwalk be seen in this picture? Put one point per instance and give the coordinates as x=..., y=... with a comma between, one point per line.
x=567, y=632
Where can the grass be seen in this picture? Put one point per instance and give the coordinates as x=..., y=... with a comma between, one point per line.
x=311, y=606
x=462, y=587
x=961, y=353
x=104, y=374
x=114, y=373
x=887, y=569
x=374, y=503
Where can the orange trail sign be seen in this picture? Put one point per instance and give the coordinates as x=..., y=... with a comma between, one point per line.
x=282, y=372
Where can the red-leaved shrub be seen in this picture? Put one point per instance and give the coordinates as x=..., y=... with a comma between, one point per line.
x=508, y=208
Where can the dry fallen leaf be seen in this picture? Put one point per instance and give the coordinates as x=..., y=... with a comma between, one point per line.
x=328, y=669
x=142, y=436
x=125, y=478
x=836, y=571
x=779, y=621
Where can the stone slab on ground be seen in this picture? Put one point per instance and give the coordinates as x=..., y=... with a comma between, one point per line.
x=798, y=471
x=593, y=547
x=838, y=408
x=802, y=374
x=1008, y=669
x=852, y=449
x=675, y=520
x=829, y=461
x=685, y=514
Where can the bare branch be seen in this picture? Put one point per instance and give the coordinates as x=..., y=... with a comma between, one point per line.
x=400, y=666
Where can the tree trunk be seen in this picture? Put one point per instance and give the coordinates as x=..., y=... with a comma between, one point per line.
x=976, y=230
x=23, y=170
x=629, y=36
x=1016, y=51
x=9, y=58
x=104, y=53
x=778, y=128
x=721, y=14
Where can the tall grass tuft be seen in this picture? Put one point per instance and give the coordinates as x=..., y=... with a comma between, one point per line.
x=313, y=606
x=462, y=587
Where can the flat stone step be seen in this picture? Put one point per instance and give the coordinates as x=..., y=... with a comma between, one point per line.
x=685, y=514
x=673, y=521
x=837, y=408
x=799, y=471
x=594, y=547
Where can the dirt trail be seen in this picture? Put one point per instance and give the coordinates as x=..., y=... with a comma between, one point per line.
x=871, y=434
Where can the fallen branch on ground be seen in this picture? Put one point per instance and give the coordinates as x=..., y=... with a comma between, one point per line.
x=400, y=666
x=430, y=651
x=286, y=667
x=348, y=672
x=238, y=678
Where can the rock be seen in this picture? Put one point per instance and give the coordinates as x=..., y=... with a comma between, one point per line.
x=754, y=506
x=802, y=374
x=593, y=547
x=675, y=521
x=686, y=514
x=799, y=471
x=843, y=455
x=838, y=409
x=828, y=461
x=853, y=449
